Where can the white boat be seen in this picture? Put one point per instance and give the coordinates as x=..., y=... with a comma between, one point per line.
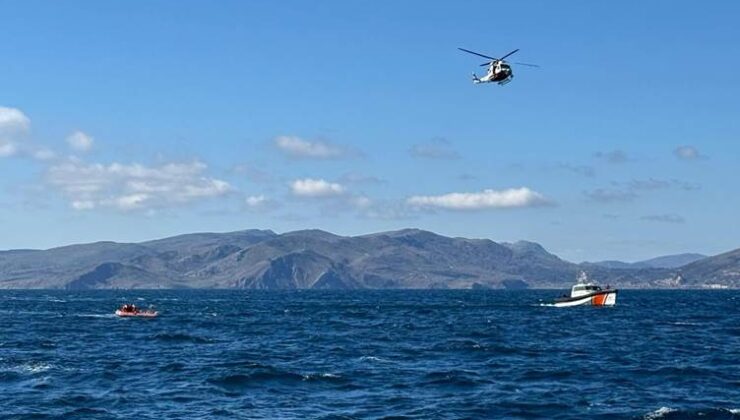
x=586, y=292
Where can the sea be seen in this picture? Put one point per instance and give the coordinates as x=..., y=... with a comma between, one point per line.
x=411, y=354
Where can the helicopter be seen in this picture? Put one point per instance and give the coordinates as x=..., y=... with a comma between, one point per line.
x=498, y=70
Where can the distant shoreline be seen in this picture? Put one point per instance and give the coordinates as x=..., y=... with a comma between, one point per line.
x=315, y=259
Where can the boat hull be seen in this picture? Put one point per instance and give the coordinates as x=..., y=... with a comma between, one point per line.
x=140, y=314
x=600, y=298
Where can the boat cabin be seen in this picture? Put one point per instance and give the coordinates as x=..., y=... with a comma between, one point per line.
x=581, y=289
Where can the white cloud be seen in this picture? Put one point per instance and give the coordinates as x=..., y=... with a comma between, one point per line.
x=7, y=148
x=309, y=187
x=13, y=120
x=255, y=200
x=80, y=142
x=688, y=153
x=43, y=153
x=361, y=202
x=83, y=205
x=297, y=147
x=133, y=186
x=486, y=199
x=260, y=203
x=13, y=124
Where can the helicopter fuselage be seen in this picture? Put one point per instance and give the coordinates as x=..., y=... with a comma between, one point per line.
x=499, y=72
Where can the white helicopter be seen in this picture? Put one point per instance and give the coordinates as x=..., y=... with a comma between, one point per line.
x=498, y=70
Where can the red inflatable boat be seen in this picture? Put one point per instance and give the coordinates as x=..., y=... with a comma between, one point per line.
x=132, y=311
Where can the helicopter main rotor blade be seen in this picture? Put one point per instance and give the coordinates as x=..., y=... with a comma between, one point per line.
x=509, y=54
x=475, y=53
x=486, y=64
x=527, y=64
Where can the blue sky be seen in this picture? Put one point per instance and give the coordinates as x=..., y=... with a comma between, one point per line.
x=129, y=121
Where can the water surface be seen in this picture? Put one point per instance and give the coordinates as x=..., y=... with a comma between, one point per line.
x=369, y=354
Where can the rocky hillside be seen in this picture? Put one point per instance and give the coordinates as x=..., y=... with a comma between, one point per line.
x=313, y=259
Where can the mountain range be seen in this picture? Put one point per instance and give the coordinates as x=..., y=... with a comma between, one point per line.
x=667, y=261
x=315, y=259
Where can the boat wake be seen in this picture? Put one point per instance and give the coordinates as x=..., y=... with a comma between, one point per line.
x=709, y=413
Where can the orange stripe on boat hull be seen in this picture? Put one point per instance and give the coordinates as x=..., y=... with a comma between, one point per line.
x=599, y=300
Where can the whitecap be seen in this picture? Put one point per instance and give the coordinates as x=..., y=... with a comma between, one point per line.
x=32, y=367
x=309, y=376
x=111, y=315
x=372, y=359
x=659, y=413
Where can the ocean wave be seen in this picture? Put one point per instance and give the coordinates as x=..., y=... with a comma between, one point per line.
x=37, y=367
x=28, y=368
x=242, y=364
x=244, y=380
x=457, y=378
x=87, y=411
x=259, y=377
x=374, y=359
x=110, y=315
x=182, y=337
x=34, y=313
x=173, y=367
x=74, y=399
x=708, y=413
x=457, y=344
x=546, y=375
